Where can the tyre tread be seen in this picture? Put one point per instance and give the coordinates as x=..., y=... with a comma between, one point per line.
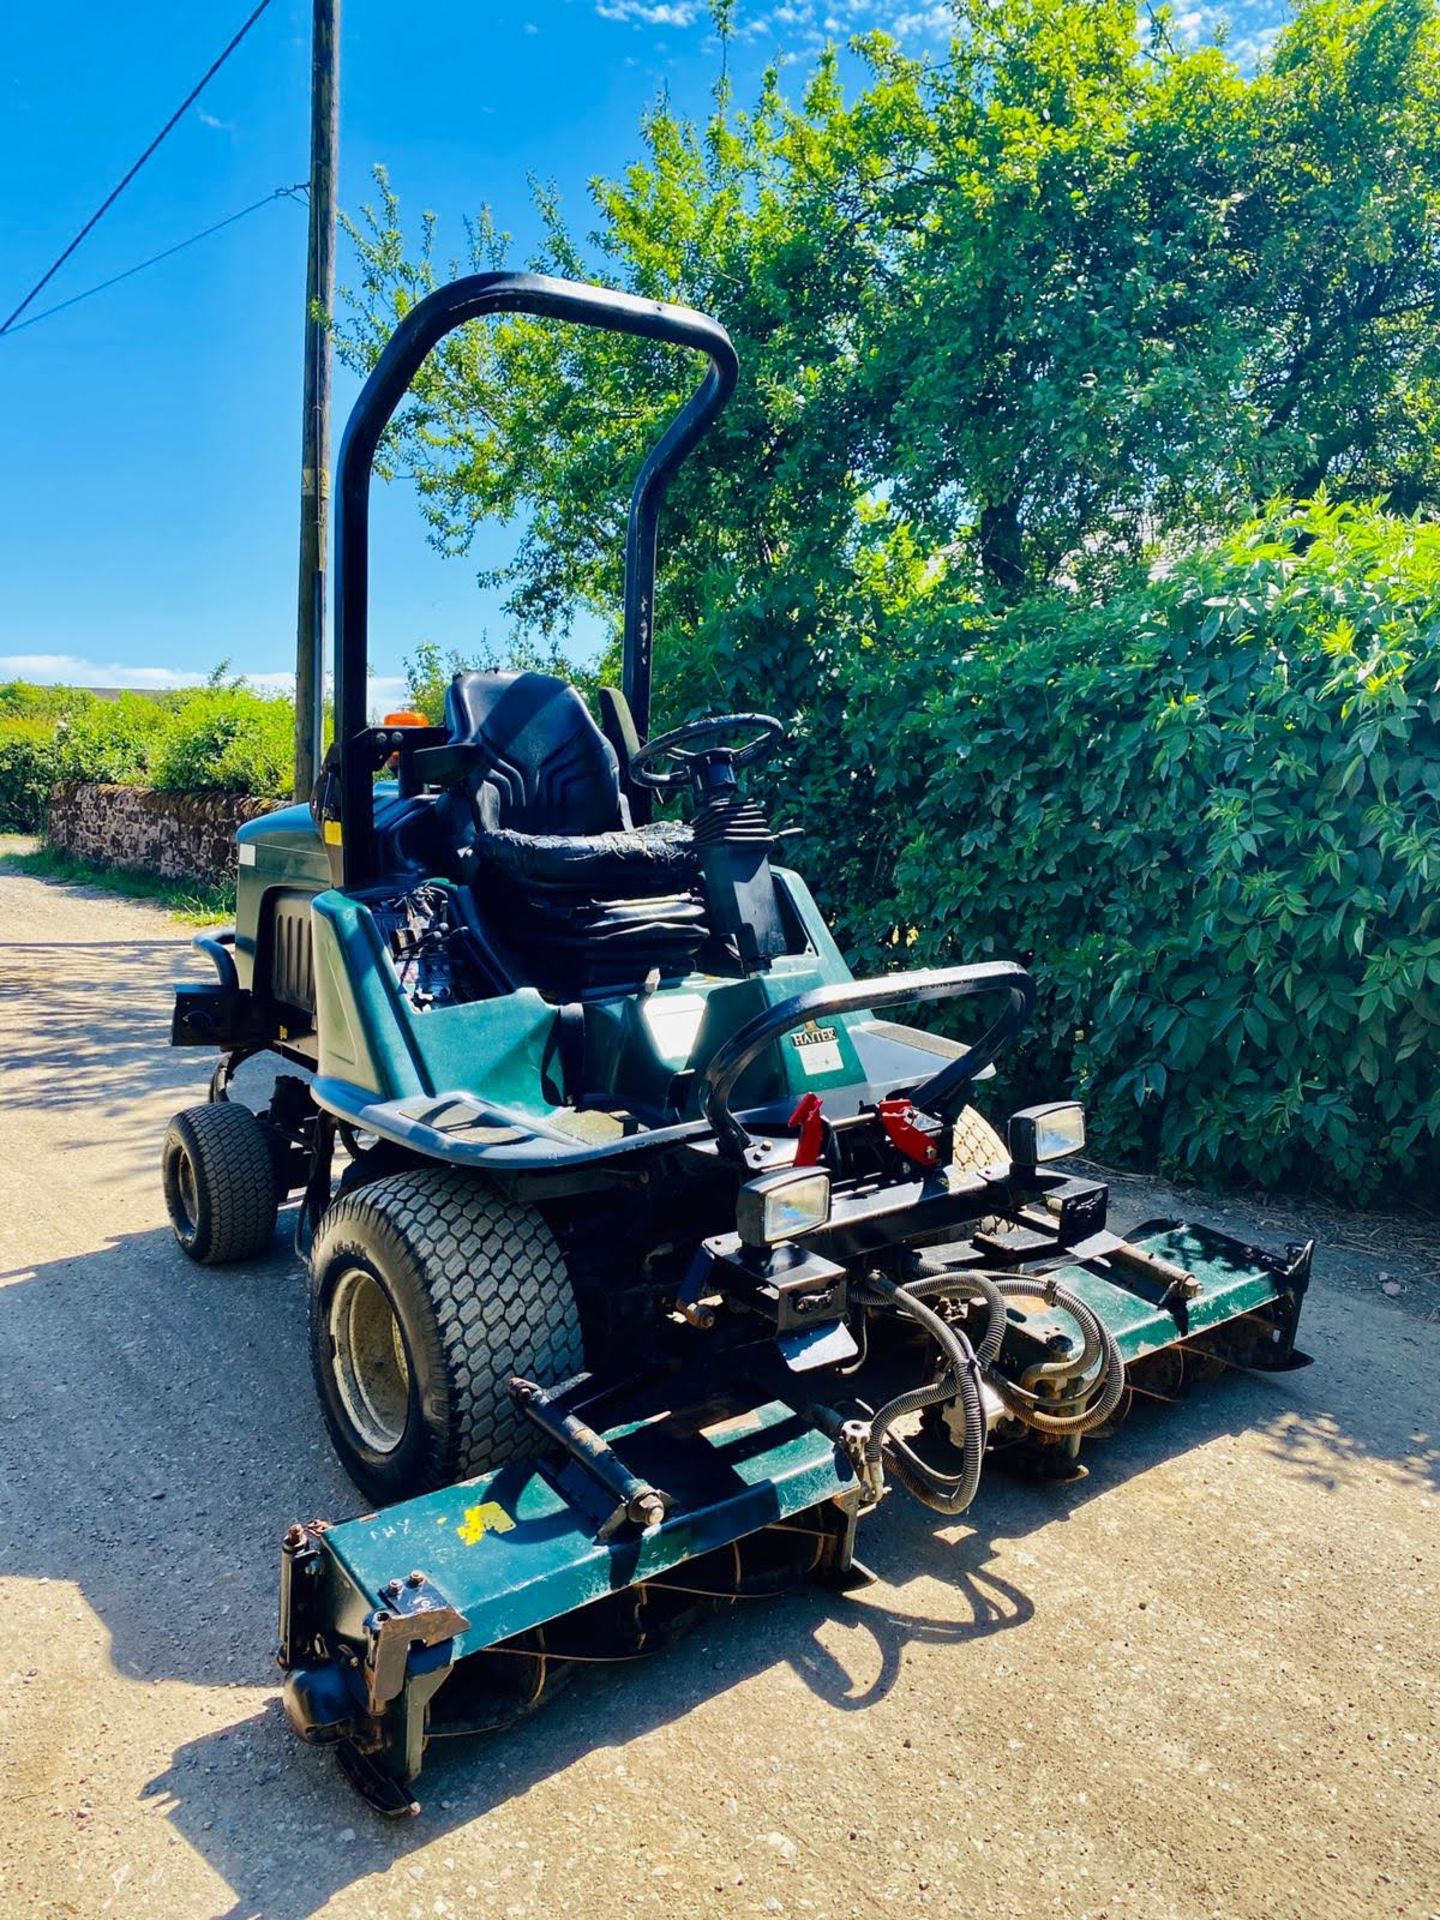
x=499, y=1292
x=235, y=1178
x=977, y=1144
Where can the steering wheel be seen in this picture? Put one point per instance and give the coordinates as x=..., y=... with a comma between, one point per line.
x=767, y=732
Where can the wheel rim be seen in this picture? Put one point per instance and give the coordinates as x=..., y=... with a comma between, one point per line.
x=185, y=1198
x=372, y=1374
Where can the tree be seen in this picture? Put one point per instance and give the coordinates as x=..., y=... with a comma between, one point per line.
x=1062, y=297
x=1008, y=324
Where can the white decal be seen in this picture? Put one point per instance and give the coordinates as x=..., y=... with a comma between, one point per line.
x=819, y=1049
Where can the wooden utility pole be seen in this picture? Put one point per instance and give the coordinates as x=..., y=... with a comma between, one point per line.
x=315, y=433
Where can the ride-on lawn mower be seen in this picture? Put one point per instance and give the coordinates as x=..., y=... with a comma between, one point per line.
x=657, y=1248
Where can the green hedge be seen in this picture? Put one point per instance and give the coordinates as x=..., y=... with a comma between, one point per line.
x=27, y=772
x=227, y=739
x=1209, y=815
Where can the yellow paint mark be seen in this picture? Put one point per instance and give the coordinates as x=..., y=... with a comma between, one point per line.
x=489, y=1517
x=332, y=833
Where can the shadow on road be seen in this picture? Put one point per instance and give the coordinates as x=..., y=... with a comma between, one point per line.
x=159, y=1480
x=87, y=1035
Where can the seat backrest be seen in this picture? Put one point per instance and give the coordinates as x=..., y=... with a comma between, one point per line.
x=546, y=766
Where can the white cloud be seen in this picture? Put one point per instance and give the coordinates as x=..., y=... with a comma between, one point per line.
x=1203, y=23
x=70, y=670
x=652, y=13
x=1251, y=50
x=929, y=22
x=809, y=20
x=209, y=120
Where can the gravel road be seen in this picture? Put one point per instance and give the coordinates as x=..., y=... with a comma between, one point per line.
x=1202, y=1682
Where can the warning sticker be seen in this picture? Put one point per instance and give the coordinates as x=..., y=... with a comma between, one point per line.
x=818, y=1047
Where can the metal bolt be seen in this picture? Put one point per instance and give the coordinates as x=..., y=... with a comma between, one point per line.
x=648, y=1510
x=416, y=1579
x=392, y=1587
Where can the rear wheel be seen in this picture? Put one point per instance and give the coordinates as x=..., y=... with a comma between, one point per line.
x=428, y=1292
x=220, y=1187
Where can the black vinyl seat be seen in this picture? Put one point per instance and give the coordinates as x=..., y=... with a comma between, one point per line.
x=591, y=901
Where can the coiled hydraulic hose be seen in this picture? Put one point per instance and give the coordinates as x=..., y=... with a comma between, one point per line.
x=1099, y=1344
x=960, y=1378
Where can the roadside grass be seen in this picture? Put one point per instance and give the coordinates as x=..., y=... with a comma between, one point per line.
x=195, y=901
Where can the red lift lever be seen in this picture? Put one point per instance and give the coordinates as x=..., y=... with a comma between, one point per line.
x=808, y=1118
x=898, y=1117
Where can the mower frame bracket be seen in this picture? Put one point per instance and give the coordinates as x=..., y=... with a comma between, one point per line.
x=416, y=1613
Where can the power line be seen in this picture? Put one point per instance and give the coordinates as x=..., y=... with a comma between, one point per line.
x=112, y=197
x=280, y=193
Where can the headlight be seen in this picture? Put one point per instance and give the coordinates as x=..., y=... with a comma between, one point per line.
x=1046, y=1133
x=779, y=1205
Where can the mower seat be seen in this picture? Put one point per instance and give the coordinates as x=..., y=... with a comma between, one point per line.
x=590, y=901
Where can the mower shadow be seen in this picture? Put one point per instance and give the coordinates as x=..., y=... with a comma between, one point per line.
x=203, y=1399
x=946, y=1591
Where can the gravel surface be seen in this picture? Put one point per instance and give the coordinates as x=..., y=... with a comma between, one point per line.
x=1201, y=1682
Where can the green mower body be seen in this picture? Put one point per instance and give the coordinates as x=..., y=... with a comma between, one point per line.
x=647, y=1249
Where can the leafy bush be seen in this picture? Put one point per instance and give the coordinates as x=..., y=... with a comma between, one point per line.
x=226, y=740
x=111, y=740
x=24, y=700
x=27, y=772
x=1209, y=815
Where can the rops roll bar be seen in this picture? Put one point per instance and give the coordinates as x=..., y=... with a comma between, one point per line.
x=941, y=1094
x=417, y=334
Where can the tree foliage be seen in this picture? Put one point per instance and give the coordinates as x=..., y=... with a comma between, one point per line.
x=1031, y=340
x=1062, y=297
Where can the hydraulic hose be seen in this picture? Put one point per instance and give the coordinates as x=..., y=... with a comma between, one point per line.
x=961, y=1376
x=968, y=1286
x=1099, y=1344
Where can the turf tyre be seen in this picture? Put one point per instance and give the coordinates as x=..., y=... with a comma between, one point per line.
x=478, y=1290
x=218, y=1170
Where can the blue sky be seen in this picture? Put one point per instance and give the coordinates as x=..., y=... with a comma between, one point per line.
x=148, y=477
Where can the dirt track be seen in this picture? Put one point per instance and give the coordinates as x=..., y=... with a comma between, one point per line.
x=1203, y=1682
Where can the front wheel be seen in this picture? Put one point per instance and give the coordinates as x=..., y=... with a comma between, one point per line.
x=221, y=1193
x=428, y=1292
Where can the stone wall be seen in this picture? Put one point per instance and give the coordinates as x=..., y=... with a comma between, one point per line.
x=180, y=836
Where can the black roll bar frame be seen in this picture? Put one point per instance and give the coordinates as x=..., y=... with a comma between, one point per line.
x=942, y=1094
x=420, y=331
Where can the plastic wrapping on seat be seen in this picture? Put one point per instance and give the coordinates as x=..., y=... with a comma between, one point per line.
x=634, y=860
